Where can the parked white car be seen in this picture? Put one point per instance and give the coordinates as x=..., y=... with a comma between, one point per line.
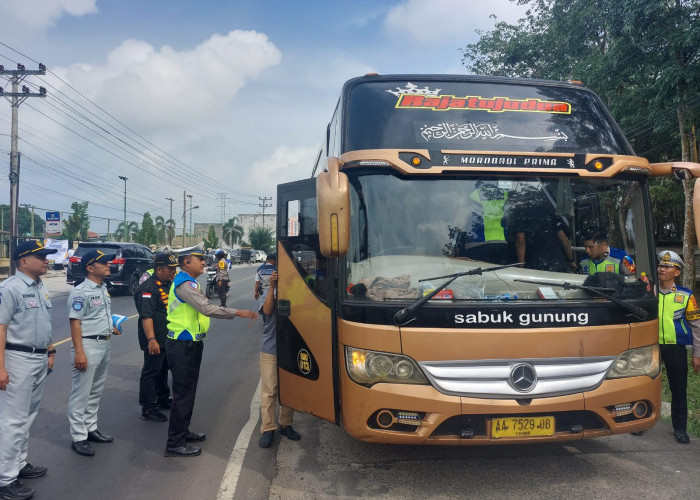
x=260, y=256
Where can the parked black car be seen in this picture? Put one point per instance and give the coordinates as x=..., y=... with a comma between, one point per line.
x=132, y=259
x=241, y=255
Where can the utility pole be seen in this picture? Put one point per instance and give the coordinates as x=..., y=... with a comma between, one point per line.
x=170, y=233
x=264, y=205
x=184, y=216
x=16, y=98
x=125, y=230
x=190, y=197
x=108, y=233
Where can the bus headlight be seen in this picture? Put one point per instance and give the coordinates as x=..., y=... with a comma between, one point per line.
x=636, y=362
x=367, y=368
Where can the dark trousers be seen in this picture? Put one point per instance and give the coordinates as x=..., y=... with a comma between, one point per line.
x=153, y=387
x=222, y=290
x=184, y=360
x=675, y=358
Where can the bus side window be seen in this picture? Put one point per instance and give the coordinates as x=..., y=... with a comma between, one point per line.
x=301, y=241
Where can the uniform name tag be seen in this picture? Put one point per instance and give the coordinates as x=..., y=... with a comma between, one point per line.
x=31, y=303
x=678, y=298
x=96, y=302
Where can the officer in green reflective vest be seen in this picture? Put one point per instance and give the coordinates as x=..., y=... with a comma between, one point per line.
x=602, y=259
x=679, y=327
x=188, y=322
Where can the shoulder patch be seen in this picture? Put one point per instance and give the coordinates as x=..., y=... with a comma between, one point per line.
x=146, y=295
x=193, y=284
x=78, y=303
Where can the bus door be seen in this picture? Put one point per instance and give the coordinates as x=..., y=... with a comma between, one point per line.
x=306, y=339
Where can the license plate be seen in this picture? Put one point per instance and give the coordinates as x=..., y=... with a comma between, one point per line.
x=522, y=427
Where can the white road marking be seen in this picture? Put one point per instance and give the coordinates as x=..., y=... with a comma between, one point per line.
x=235, y=462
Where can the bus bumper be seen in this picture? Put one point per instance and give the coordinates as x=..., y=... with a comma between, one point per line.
x=419, y=414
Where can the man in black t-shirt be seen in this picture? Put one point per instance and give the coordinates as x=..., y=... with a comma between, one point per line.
x=541, y=236
x=151, y=300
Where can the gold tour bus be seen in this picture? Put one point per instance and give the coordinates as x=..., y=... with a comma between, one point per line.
x=433, y=283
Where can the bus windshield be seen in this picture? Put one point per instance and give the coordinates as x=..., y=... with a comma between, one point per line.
x=406, y=232
x=479, y=116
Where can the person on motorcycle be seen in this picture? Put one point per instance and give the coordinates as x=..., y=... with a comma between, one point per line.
x=222, y=278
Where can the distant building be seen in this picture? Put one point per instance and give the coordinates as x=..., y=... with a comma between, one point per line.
x=247, y=221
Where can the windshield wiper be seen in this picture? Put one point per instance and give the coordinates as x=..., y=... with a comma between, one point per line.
x=405, y=315
x=631, y=308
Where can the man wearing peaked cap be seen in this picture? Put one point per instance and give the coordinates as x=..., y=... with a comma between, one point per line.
x=151, y=300
x=26, y=355
x=90, y=316
x=189, y=311
x=679, y=327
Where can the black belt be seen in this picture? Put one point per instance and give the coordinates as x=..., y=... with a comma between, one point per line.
x=98, y=337
x=24, y=348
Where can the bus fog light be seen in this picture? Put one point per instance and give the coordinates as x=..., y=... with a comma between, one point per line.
x=367, y=368
x=385, y=419
x=409, y=418
x=637, y=362
x=640, y=409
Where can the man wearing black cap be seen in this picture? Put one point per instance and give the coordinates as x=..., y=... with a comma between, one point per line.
x=189, y=311
x=89, y=310
x=151, y=300
x=26, y=353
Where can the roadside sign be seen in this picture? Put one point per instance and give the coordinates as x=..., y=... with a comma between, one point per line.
x=53, y=223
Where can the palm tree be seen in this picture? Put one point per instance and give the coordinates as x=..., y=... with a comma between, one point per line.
x=232, y=231
x=160, y=230
x=132, y=231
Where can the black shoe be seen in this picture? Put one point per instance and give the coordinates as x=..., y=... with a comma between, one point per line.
x=153, y=415
x=638, y=433
x=681, y=437
x=194, y=437
x=183, y=451
x=16, y=491
x=96, y=436
x=30, y=471
x=266, y=439
x=290, y=433
x=82, y=448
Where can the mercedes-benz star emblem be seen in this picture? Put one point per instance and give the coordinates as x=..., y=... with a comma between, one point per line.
x=523, y=377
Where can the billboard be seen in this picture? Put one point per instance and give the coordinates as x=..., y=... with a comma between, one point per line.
x=53, y=223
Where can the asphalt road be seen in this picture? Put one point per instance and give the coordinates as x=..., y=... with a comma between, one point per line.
x=326, y=463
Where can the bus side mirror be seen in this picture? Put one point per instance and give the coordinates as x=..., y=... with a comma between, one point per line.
x=333, y=202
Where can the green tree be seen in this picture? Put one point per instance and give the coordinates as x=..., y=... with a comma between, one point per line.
x=640, y=56
x=232, y=231
x=261, y=239
x=24, y=221
x=76, y=226
x=212, y=240
x=147, y=235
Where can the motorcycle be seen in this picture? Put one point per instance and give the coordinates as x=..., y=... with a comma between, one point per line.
x=211, y=284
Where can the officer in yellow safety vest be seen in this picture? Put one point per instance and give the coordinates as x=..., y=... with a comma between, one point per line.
x=188, y=322
x=679, y=327
x=603, y=259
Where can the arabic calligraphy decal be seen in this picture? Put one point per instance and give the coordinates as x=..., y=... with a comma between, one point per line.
x=466, y=131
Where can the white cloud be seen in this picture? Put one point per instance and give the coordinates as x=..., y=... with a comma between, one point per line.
x=285, y=164
x=167, y=89
x=40, y=14
x=440, y=21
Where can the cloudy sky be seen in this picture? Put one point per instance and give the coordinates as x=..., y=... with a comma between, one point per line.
x=223, y=99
